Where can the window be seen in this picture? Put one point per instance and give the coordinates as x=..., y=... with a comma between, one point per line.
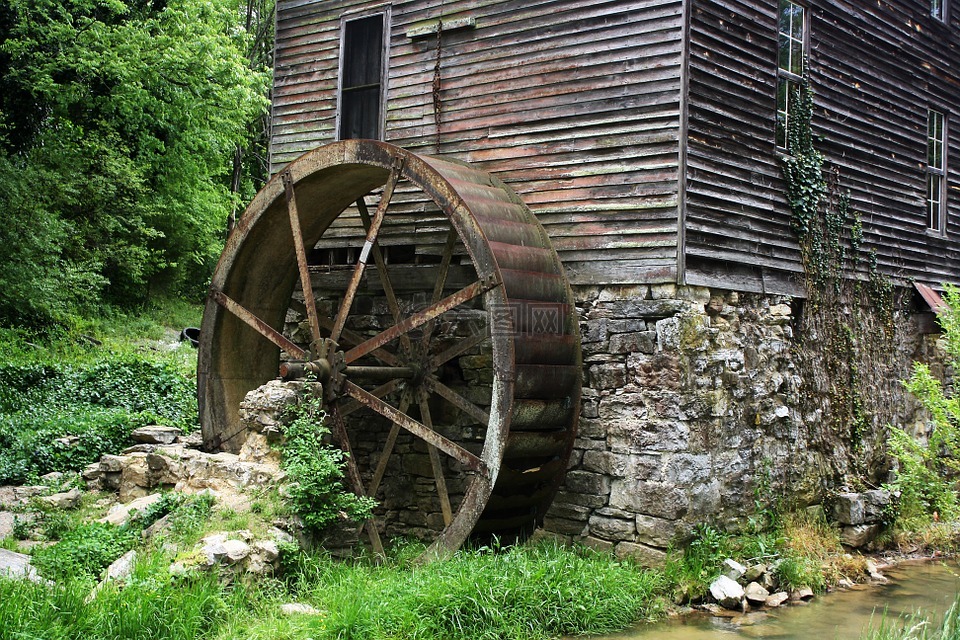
x=790, y=65
x=363, y=52
x=936, y=170
x=938, y=9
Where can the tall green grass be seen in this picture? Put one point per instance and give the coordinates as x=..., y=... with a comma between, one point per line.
x=527, y=592
x=149, y=606
x=918, y=626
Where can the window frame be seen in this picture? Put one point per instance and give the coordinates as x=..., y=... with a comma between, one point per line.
x=385, y=12
x=943, y=15
x=786, y=76
x=939, y=199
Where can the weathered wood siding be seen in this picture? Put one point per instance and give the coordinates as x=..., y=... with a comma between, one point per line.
x=876, y=67
x=574, y=103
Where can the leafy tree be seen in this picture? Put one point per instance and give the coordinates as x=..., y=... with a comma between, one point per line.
x=119, y=121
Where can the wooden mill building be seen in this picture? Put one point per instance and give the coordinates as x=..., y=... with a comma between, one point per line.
x=646, y=136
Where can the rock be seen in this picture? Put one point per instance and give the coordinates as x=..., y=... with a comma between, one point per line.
x=849, y=509
x=120, y=514
x=122, y=567
x=157, y=527
x=727, y=593
x=156, y=434
x=776, y=599
x=298, y=609
x=873, y=571
x=803, y=593
x=733, y=569
x=17, y=565
x=91, y=472
x=192, y=440
x=875, y=504
x=860, y=535
x=7, y=521
x=755, y=572
x=756, y=594
x=67, y=442
x=67, y=500
x=267, y=550
x=235, y=550
x=280, y=536
x=52, y=479
x=111, y=464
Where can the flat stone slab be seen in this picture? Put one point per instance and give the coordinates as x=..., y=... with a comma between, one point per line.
x=156, y=434
x=17, y=565
x=7, y=520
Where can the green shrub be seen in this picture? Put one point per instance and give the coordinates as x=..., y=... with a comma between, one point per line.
x=926, y=480
x=85, y=551
x=315, y=471
x=98, y=402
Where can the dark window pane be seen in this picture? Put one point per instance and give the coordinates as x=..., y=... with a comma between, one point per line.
x=360, y=114
x=363, y=52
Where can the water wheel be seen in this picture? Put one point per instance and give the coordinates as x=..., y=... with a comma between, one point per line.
x=463, y=344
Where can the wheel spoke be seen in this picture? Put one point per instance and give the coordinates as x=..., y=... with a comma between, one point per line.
x=457, y=400
x=439, y=285
x=429, y=436
x=387, y=450
x=372, y=233
x=386, y=389
x=438, y=476
x=353, y=338
x=353, y=474
x=388, y=291
x=301, y=252
x=466, y=294
x=457, y=349
x=257, y=324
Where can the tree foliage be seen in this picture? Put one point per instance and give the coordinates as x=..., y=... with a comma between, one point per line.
x=119, y=123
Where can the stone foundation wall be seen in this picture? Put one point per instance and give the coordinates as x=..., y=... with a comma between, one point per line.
x=701, y=404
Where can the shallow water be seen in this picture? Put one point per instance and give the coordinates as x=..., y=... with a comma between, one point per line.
x=931, y=586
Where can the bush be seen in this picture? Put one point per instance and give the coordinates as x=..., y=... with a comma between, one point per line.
x=85, y=551
x=62, y=417
x=315, y=471
x=926, y=480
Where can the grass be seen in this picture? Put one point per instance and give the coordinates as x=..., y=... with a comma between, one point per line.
x=73, y=394
x=918, y=626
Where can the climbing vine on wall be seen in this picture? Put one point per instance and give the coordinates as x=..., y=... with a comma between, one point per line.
x=847, y=328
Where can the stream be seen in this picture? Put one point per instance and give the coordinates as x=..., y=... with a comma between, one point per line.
x=842, y=615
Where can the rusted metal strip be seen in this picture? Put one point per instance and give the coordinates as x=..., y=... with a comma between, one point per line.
x=460, y=348
x=349, y=406
x=301, y=252
x=457, y=400
x=439, y=284
x=372, y=233
x=256, y=323
x=351, y=337
x=381, y=469
x=353, y=475
x=388, y=291
x=418, y=429
x=438, y=476
x=419, y=319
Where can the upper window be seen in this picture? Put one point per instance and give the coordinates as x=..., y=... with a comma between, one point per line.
x=792, y=40
x=936, y=170
x=361, y=77
x=938, y=9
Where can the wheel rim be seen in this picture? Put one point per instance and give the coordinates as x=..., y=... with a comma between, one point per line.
x=397, y=367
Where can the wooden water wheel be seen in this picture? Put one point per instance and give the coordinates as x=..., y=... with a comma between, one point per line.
x=477, y=362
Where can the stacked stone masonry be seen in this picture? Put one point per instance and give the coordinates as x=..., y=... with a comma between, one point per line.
x=695, y=409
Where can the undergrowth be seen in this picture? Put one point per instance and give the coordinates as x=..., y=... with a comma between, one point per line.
x=67, y=397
